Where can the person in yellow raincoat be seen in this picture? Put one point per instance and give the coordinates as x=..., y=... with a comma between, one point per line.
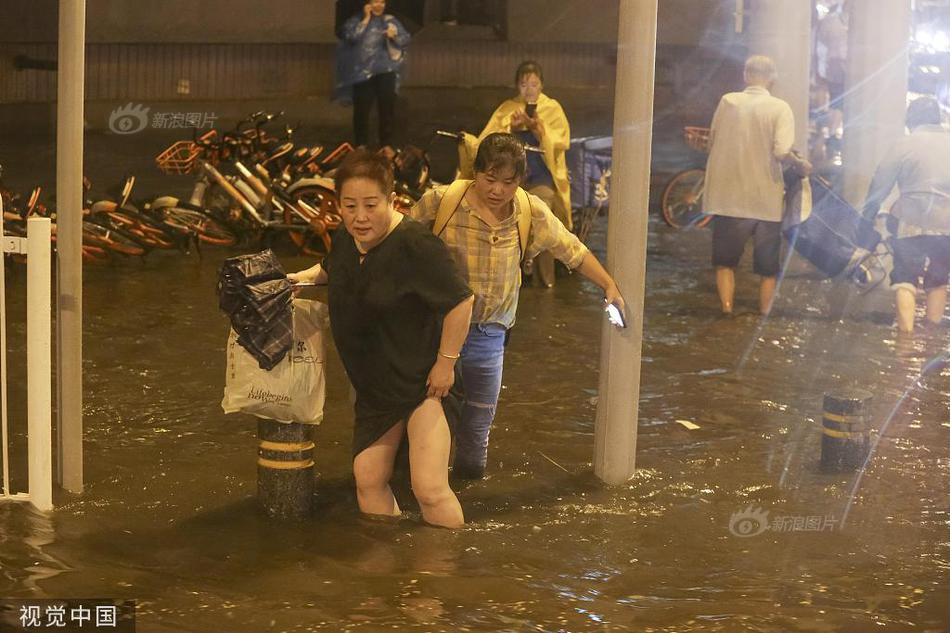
x=538, y=121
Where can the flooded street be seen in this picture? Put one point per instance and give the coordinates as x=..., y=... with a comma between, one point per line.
x=168, y=517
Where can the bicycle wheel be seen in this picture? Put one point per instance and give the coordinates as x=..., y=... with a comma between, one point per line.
x=198, y=224
x=132, y=227
x=323, y=200
x=213, y=232
x=316, y=240
x=143, y=228
x=95, y=254
x=682, y=200
x=111, y=239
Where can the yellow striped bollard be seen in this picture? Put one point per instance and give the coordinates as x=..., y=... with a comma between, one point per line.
x=845, y=432
x=285, y=468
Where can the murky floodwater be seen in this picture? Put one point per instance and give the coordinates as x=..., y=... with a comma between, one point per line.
x=168, y=515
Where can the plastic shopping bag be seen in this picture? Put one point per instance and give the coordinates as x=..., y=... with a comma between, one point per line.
x=294, y=390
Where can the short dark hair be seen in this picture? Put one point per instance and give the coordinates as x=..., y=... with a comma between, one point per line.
x=923, y=111
x=528, y=67
x=500, y=151
x=361, y=163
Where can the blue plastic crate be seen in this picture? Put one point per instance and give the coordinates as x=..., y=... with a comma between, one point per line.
x=588, y=159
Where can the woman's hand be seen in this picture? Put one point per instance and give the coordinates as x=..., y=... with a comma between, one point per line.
x=519, y=120
x=313, y=275
x=304, y=276
x=536, y=126
x=612, y=295
x=367, y=12
x=392, y=31
x=441, y=378
x=296, y=278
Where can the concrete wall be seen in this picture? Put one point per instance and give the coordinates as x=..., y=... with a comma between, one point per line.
x=563, y=21
x=147, y=21
x=238, y=50
x=681, y=22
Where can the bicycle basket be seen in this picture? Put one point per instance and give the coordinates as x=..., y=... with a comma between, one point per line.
x=181, y=157
x=697, y=138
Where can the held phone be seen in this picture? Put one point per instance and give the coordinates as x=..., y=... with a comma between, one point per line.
x=615, y=316
x=306, y=284
x=531, y=109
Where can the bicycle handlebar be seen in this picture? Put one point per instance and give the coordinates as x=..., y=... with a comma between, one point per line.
x=458, y=136
x=257, y=119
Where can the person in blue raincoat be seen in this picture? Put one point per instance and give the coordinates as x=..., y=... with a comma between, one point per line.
x=370, y=55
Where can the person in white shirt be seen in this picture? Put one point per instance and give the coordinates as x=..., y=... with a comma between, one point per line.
x=750, y=142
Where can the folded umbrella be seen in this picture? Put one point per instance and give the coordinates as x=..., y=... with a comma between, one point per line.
x=254, y=292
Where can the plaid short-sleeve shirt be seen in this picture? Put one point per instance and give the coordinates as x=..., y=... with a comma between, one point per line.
x=489, y=256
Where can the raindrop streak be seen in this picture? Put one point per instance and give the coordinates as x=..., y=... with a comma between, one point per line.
x=932, y=366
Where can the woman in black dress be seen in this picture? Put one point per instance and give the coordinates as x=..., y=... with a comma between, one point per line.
x=399, y=312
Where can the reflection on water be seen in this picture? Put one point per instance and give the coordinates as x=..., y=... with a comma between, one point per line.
x=25, y=536
x=168, y=517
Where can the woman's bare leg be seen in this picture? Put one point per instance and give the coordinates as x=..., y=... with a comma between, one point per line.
x=372, y=469
x=429, y=446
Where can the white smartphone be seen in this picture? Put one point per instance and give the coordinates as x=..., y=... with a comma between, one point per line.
x=615, y=316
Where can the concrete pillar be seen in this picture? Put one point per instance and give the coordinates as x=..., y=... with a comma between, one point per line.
x=876, y=88
x=615, y=432
x=69, y=148
x=781, y=29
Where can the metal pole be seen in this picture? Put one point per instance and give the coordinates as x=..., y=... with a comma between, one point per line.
x=781, y=29
x=285, y=468
x=39, y=366
x=876, y=88
x=3, y=361
x=69, y=150
x=615, y=432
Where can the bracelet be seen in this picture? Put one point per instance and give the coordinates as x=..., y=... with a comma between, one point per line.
x=449, y=356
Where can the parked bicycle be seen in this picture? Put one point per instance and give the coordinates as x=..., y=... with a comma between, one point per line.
x=682, y=199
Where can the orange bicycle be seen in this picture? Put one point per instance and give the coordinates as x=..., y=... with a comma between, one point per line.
x=682, y=199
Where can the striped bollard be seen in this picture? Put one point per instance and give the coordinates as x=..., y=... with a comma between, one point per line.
x=285, y=468
x=845, y=439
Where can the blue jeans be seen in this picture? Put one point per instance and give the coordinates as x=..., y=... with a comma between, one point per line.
x=482, y=358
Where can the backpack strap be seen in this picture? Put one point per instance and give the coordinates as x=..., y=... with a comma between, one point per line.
x=524, y=219
x=449, y=204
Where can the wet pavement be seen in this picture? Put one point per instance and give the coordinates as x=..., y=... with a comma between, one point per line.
x=168, y=517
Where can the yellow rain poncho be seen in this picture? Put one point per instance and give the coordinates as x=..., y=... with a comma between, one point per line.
x=557, y=138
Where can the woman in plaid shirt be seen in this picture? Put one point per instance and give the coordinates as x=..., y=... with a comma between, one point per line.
x=483, y=238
